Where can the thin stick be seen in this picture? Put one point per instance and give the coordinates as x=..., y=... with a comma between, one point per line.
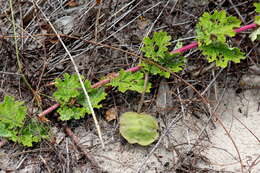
x=88, y=156
x=79, y=77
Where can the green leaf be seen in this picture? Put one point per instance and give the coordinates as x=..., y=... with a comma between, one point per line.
x=156, y=47
x=32, y=132
x=222, y=54
x=257, y=7
x=12, y=113
x=138, y=128
x=96, y=95
x=12, y=126
x=255, y=35
x=130, y=81
x=6, y=132
x=68, y=113
x=67, y=88
x=215, y=27
x=153, y=69
x=257, y=20
x=172, y=62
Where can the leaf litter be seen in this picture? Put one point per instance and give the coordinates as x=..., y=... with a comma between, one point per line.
x=95, y=63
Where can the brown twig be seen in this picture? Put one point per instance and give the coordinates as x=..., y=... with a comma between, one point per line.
x=89, y=157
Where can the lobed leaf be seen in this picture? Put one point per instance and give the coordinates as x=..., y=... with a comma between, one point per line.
x=172, y=62
x=12, y=126
x=222, y=54
x=12, y=113
x=68, y=113
x=156, y=47
x=257, y=7
x=32, y=132
x=215, y=27
x=67, y=88
x=130, y=81
x=96, y=95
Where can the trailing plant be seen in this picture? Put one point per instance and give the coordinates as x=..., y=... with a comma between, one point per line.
x=212, y=33
x=15, y=127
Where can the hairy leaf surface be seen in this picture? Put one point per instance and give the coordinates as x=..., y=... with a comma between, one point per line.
x=222, y=54
x=215, y=27
x=130, y=81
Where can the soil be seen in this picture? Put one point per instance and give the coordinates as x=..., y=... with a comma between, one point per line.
x=191, y=138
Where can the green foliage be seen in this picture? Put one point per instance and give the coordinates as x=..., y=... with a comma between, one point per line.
x=69, y=91
x=130, y=81
x=211, y=35
x=156, y=49
x=12, y=113
x=33, y=131
x=257, y=20
x=96, y=96
x=257, y=9
x=215, y=27
x=172, y=62
x=138, y=128
x=222, y=54
x=13, y=126
x=67, y=88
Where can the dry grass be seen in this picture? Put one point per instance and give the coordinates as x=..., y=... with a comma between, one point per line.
x=120, y=24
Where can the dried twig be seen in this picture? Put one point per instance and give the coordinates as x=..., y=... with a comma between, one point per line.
x=79, y=77
x=88, y=156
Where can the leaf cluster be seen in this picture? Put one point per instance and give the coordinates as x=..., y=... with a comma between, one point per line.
x=69, y=94
x=212, y=31
x=156, y=49
x=13, y=123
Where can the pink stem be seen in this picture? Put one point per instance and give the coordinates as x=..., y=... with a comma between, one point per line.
x=185, y=48
x=49, y=110
x=105, y=81
x=134, y=69
x=243, y=28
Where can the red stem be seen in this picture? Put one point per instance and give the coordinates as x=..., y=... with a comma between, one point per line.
x=243, y=28
x=134, y=69
x=185, y=48
x=49, y=110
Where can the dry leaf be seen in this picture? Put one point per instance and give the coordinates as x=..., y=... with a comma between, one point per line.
x=142, y=23
x=64, y=24
x=98, y=1
x=111, y=114
x=43, y=119
x=164, y=97
x=72, y=3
